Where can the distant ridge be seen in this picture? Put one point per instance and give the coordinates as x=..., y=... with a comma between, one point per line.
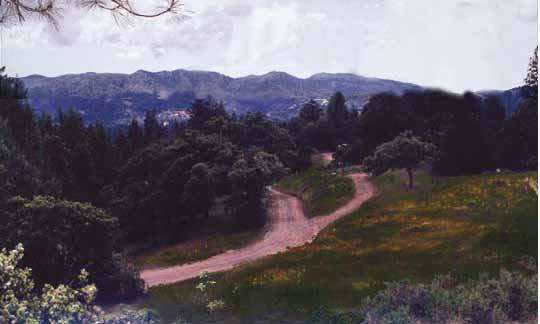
x=116, y=97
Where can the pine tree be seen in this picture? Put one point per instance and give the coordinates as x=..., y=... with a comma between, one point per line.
x=121, y=146
x=101, y=149
x=135, y=137
x=532, y=74
x=337, y=109
x=152, y=127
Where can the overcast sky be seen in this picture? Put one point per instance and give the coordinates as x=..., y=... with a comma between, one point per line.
x=453, y=44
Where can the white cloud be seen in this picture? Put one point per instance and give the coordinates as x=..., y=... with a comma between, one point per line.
x=455, y=44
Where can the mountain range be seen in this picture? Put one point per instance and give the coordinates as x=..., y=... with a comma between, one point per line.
x=117, y=98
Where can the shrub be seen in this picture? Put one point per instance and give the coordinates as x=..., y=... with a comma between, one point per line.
x=511, y=296
x=21, y=302
x=61, y=237
x=325, y=316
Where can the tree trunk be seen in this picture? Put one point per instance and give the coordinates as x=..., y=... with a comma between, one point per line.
x=410, y=173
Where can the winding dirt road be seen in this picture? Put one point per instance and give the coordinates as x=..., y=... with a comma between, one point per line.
x=287, y=227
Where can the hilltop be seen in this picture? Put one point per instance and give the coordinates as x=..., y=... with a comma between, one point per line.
x=116, y=98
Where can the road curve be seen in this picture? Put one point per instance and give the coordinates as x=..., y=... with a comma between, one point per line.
x=287, y=227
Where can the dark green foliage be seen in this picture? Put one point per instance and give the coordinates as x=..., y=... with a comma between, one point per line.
x=337, y=111
x=472, y=133
x=203, y=110
x=204, y=175
x=214, y=171
x=315, y=129
x=63, y=237
x=326, y=316
x=152, y=128
x=310, y=112
x=135, y=137
x=453, y=123
x=518, y=136
x=249, y=178
x=18, y=175
x=321, y=192
x=406, y=151
x=512, y=296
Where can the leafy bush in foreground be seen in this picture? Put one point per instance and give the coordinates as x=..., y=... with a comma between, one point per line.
x=512, y=296
x=22, y=303
x=60, y=238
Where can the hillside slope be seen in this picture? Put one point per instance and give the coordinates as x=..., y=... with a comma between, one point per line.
x=464, y=226
x=288, y=227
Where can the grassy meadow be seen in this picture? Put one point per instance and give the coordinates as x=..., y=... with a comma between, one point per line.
x=462, y=226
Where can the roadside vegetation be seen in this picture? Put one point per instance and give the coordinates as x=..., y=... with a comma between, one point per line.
x=194, y=250
x=321, y=191
x=462, y=226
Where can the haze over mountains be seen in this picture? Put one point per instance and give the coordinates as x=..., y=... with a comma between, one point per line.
x=117, y=98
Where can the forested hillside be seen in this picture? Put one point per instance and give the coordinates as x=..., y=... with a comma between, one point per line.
x=77, y=195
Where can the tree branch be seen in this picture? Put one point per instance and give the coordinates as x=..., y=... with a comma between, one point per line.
x=20, y=10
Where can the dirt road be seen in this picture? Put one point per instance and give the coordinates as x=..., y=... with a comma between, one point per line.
x=287, y=227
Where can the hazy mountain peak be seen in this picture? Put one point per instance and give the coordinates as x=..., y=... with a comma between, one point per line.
x=328, y=76
x=116, y=98
x=278, y=75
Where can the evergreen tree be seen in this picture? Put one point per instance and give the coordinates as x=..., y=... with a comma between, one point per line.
x=102, y=152
x=121, y=148
x=71, y=128
x=310, y=112
x=135, y=137
x=152, y=128
x=337, y=110
x=532, y=73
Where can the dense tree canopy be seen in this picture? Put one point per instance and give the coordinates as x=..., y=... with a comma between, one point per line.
x=63, y=237
x=207, y=173
x=473, y=134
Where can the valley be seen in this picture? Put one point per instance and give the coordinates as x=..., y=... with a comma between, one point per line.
x=268, y=162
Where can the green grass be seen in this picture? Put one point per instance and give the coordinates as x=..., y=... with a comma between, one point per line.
x=320, y=191
x=194, y=250
x=463, y=226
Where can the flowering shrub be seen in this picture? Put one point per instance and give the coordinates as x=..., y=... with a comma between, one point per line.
x=22, y=303
x=204, y=286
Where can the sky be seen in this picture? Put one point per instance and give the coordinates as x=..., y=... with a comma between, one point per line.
x=456, y=45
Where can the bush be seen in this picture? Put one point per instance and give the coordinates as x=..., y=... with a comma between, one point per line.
x=325, y=316
x=511, y=296
x=61, y=237
x=21, y=302
x=432, y=302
